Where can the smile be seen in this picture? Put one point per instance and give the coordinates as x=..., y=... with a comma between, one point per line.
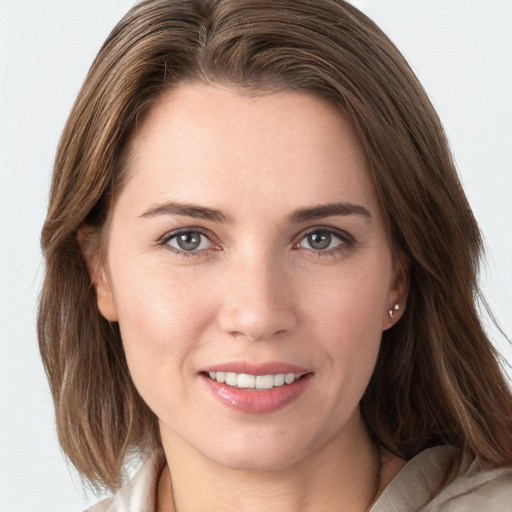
x=248, y=381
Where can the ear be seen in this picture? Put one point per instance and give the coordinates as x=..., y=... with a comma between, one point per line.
x=88, y=239
x=398, y=293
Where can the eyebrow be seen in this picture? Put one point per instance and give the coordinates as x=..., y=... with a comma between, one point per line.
x=187, y=210
x=215, y=215
x=329, y=210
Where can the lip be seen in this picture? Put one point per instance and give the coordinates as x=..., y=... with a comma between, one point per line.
x=255, y=401
x=272, y=367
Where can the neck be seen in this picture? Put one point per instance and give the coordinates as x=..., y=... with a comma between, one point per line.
x=345, y=473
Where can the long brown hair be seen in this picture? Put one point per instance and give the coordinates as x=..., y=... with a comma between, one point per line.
x=438, y=378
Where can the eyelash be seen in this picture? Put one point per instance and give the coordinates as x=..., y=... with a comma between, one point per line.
x=346, y=241
x=164, y=242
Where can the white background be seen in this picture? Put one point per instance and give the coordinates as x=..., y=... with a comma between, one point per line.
x=462, y=52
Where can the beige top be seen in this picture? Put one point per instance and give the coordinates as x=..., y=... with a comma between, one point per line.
x=476, y=488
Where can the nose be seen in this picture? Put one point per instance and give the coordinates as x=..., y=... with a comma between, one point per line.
x=258, y=300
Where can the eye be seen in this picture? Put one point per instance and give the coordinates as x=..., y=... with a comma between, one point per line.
x=189, y=241
x=322, y=240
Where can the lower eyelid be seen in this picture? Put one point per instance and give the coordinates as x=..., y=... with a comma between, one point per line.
x=213, y=244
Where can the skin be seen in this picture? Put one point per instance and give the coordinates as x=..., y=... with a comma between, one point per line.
x=257, y=289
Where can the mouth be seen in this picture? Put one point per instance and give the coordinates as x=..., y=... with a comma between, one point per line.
x=257, y=382
x=256, y=388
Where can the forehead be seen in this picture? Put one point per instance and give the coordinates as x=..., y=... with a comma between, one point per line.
x=210, y=143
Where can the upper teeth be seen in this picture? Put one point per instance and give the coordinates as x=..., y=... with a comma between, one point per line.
x=247, y=381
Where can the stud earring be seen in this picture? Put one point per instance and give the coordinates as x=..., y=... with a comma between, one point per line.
x=391, y=312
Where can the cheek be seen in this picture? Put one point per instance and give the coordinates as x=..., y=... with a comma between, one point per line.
x=352, y=302
x=349, y=318
x=152, y=298
x=159, y=321
x=355, y=344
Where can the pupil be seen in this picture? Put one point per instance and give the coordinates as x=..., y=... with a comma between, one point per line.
x=189, y=241
x=320, y=240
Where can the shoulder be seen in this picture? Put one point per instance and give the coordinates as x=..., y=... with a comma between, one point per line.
x=139, y=493
x=420, y=485
x=478, y=486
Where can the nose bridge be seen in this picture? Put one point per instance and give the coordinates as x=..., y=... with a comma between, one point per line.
x=258, y=299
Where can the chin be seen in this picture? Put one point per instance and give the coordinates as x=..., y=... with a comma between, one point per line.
x=261, y=462
x=258, y=454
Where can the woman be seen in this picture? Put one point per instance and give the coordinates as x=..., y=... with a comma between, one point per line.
x=269, y=273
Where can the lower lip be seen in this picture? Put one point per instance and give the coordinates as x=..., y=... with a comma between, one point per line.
x=256, y=401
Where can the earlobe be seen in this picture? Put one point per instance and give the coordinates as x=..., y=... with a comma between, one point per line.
x=398, y=293
x=89, y=245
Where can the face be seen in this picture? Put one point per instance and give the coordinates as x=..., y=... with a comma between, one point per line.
x=250, y=272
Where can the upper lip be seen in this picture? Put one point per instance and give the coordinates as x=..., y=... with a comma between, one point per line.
x=251, y=368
